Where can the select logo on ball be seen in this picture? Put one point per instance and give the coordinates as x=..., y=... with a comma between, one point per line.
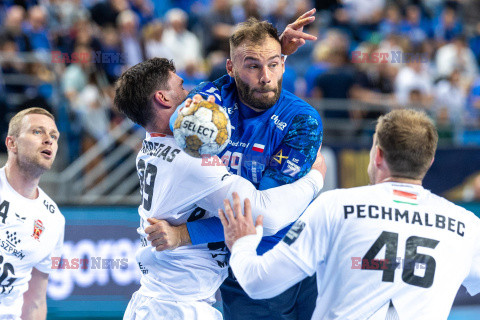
x=202, y=129
x=192, y=127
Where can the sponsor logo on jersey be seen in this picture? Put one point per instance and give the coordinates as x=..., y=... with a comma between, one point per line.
x=19, y=218
x=279, y=157
x=257, y=147
x=294, y=232
x=254, y=170
x=289, y=161
x=37, y=229
x=143, y=269
x=10, y=244
x=280, y=124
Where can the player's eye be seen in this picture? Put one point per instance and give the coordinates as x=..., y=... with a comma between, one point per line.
x=273, y=65
x=253, y=66
x=54, y=137
x=36, y=131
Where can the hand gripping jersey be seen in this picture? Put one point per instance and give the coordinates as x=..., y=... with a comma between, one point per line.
x=388, y=246
x=269, y=148
x=179, y=188
x=31, y=233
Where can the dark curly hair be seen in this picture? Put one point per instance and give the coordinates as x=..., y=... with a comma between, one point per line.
x=136, y=86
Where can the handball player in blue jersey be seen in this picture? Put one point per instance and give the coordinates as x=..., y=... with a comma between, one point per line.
x=275, y=139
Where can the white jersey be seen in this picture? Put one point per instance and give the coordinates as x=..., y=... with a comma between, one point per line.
x=31, y=232
x=373, y=247
x=175, y=187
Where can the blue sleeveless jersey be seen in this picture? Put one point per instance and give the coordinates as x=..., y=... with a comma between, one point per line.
x=269, y=148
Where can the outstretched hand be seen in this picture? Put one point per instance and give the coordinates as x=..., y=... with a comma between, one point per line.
x=238, y=225
x=293, y=36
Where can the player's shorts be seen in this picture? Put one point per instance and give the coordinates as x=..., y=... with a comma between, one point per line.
x=143, y=307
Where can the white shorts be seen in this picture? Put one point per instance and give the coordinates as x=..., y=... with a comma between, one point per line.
x=143, y=307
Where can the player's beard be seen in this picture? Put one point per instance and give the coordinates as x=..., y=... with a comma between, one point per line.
x=33, y=165
x=246, y=95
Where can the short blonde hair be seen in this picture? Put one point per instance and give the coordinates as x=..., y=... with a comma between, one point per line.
x=15, y=123
x=409, y=140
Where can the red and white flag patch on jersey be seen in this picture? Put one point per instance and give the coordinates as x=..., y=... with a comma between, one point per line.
x=400, y=196
x=37, y=229
x=258, y=147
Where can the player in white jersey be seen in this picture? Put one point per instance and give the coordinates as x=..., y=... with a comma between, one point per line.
x=181, y=283
x=391, y=250
x=31, y=226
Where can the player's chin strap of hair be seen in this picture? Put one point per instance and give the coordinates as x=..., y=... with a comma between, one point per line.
x=249, y=242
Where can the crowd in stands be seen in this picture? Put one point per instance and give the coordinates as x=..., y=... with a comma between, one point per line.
x=65, y=55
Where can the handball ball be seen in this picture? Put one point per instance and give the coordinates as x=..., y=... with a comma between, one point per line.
x=203, y=129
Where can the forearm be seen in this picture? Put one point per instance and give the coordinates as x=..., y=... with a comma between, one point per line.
x=279, y=206
x=34, y=309
x=260, y=276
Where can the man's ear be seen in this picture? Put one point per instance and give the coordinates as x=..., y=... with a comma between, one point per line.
x=230, y=67
x=160, y=98
x=11, y=144
x=379, y=156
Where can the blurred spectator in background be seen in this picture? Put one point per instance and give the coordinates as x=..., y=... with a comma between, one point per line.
x=144, y=11
x=279, y=14
x=217, y=25
x=457, y=55
x=183, y=44
x=11, y=64
x=472, y=114
x=447, y=26
x=450, y=99
x=321, y=53
x=192, y=76
x=245, y=9
x=160, y=7
x=475, y=42
x=216, y=62
x=413, y=84
x=338, y=82
x=106, y=12
x=392, y=22
x=12, y=28
x=93, y=110
x=130, y=38
x=63, y=14
x=154, y=46
x=83, y=33
x=111, y=49
x=75, y=77
x=415, y=27
x=365, y=15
